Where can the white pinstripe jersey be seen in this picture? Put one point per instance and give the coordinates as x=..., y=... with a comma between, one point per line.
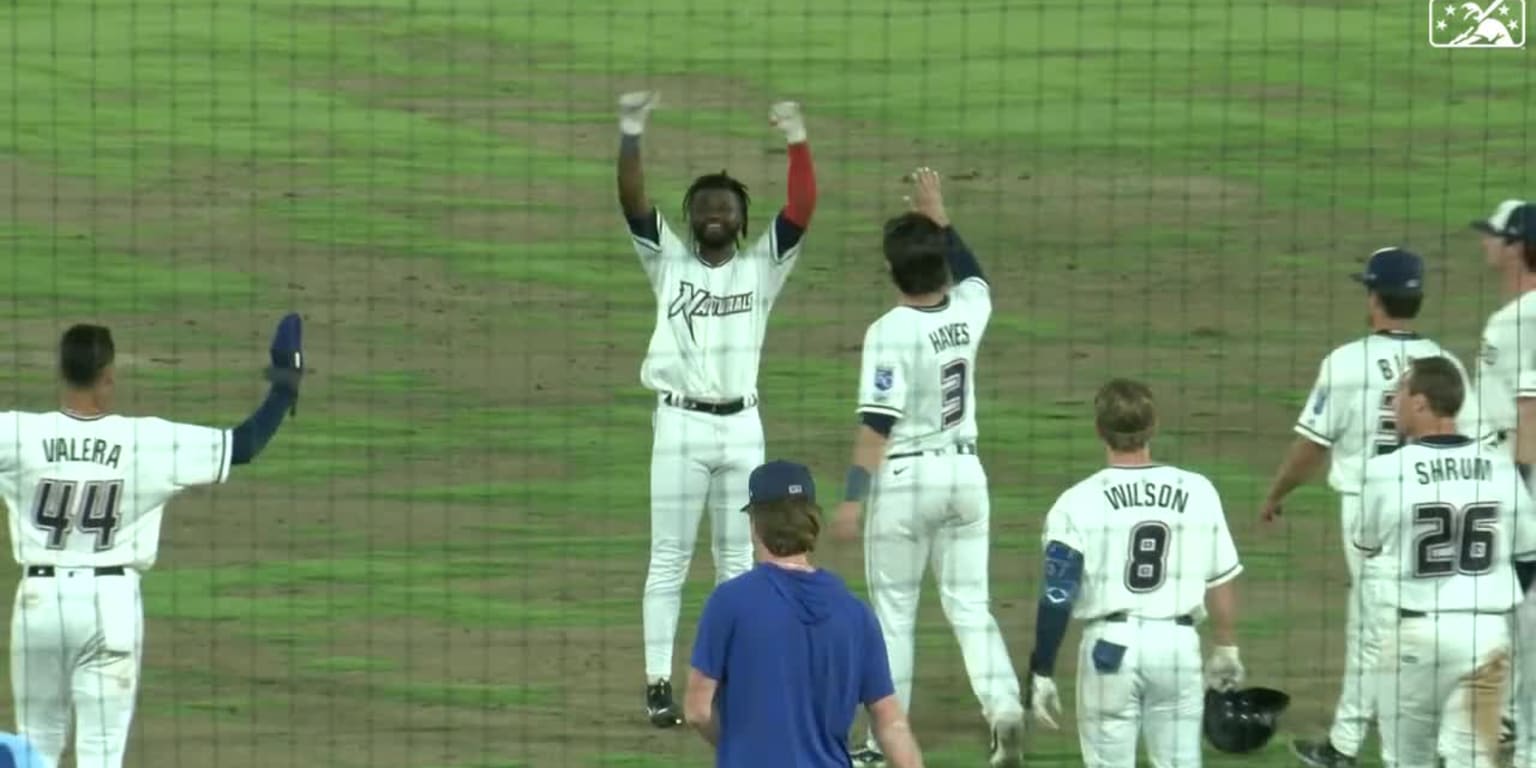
x=919, y=366
x=1154, y=538
x=90, y=492
x=1350, y=408
x=1506, y=369
x=710, y=319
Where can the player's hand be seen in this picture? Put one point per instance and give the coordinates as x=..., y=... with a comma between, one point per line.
x=1272, y=511
x=845, y=525
x=1223, y=670
x=634, y=108
x=926, y=197
x=1044, y=701
x=786, y=117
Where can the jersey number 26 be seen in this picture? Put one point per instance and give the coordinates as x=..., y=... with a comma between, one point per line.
x=91, y=507
x=1456, y=540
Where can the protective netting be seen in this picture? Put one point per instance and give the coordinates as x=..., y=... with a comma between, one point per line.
x=440, y=558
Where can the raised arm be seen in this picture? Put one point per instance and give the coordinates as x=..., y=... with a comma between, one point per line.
x=253, y=434
x=928, y=199
x=800, y=188
x=634, y=109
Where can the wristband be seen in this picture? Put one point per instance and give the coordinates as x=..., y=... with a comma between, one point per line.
x=856, y=484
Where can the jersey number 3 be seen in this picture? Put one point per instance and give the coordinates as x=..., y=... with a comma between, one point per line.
x=1147, y=566
x=90, y=507
x=952, y=387
x=1457, y=540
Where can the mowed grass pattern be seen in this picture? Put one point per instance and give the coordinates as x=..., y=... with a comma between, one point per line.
x=438, y=562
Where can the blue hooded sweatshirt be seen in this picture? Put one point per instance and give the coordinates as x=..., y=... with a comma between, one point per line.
x=795, y=654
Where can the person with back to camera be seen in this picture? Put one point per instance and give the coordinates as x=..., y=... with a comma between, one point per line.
x=785, y=653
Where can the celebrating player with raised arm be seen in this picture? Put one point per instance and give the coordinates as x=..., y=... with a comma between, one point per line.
x=1133, y=552
x=86, y=490
x=1454, y=528
x=1348, y=418
x=917, y=408
x=713, y=297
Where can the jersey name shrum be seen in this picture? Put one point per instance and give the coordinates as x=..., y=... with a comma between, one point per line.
x=952, y=335
x=1147, y=495
x=1452, y=469
x=693, y=301
x=60, y=449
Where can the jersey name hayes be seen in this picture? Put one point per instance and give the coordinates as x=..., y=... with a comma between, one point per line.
x=1147, y=495
x=97, y=451
x=1451, y=469
x=693, y=301
x=952, y=335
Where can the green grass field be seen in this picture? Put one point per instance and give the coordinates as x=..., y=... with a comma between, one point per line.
x=439, y=562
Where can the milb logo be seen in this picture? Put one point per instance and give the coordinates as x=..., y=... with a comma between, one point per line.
x=693, y=301
x=1465, y=24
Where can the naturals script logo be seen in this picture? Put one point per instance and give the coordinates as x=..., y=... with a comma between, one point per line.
x=1464, y=24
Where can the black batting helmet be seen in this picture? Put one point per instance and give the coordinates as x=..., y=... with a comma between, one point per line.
x=1245, y=720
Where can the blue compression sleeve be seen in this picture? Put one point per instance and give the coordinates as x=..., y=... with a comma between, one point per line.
x=962, y=263
x=253, y=433
x=1063, y=575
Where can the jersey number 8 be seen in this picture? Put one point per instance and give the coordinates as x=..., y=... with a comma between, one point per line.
x=1147, y=566
x=56, y=510
x=1458, y=540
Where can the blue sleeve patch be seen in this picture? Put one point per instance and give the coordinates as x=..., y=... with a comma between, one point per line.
x=1319, y=400
x=885, y=378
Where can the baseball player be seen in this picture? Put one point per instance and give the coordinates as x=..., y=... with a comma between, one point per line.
x=1347, y=419
x=1503, y=411
x=917, y=407
x=1133, y=552
x=1449, y=519
x=86, y=490
x=713, y=297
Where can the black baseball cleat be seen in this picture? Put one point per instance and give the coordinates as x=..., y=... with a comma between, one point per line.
x=867, y=758
x=660, y=707
x=1007, y=745
x=1321, y=754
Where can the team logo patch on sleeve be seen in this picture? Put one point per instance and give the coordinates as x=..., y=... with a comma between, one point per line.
x=1319, y=399
x=885, y=378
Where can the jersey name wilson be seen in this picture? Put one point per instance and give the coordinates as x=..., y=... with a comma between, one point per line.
x=1147, y=495
x=1452, y=469
x=87, y=449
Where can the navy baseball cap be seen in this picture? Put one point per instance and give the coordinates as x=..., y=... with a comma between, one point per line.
x=1512, y=220
x=1393, y=271
x=779, y=480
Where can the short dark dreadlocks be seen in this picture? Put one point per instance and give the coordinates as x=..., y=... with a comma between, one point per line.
x=721, y=180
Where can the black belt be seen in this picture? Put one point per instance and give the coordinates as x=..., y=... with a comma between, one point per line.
x=47, y=571
x=717, y=409
x=963, y=449
x=1122, y=616
x=1405, y=613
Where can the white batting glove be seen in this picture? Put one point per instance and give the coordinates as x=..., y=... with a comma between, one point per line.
x=786, y=116
x=1223, y=670
x=1043, y=700
x=634, y=108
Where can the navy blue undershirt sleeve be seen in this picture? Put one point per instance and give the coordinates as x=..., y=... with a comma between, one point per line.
x=253, y=434
x=962, y=263
x=879, y=422
x=644, y=227
x=786, y=234
x=1063, y=574
x=1526, y=572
